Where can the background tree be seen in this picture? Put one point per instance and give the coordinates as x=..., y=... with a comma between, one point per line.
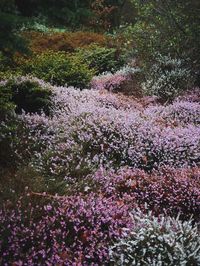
x=168, y=27
x=10, y=23
x=71, y=13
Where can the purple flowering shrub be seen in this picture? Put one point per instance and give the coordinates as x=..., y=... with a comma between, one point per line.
x=191, y=95
x=107, y=156
x=108, y=81
x=168, y=191
x=180, y=113
x=89, y=129
x=112, y=81
x=80, y=229
x=73, y=230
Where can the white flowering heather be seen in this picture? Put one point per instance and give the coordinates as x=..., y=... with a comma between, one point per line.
x=167, y=78
x=161, y=241
x=176, y=114
x=90, y=128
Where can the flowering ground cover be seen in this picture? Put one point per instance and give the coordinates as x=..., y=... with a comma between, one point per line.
x=102, y=161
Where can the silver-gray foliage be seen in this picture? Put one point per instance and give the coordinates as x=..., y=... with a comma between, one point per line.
x=167, y=78
x=161, y=241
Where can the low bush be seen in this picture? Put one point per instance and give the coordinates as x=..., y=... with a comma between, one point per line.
x=68, y=41
x=167, y=78
x=59, y=68
x=158, y=241
x=182, y=112
x=26, y=94
x=14, y=143
x=117, y=81
x=89, y=129
x=10, y=74
x=102, y=59
x=18, y=95
x=167, y=191
x=69, y=230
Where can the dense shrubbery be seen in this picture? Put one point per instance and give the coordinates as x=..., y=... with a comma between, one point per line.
x=168, y=191
x=24, y=94
x=114, y=81
x=143, y=139
x=59, y=68
x=88, y=130
x=73, y=229
x=102, y=59
x=123, y=138
x=163, y=27
x=10, y=23
x=77, y=156
x=68, y=42
x=158, y=241
x=167, y=78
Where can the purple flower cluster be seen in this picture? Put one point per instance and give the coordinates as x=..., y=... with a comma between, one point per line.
x=110, y=157
x=180, y=113
x=109, y=81
x=69, y=231
x=91, y=129
x=168, y=191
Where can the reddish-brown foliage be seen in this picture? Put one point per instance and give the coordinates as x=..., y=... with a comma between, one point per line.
x=39, y=42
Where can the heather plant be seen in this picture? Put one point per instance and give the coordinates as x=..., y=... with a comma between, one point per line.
x=113, y=81
x=88, y=150
x=68, y=230
x=158, y=241
x=88, y=130
x=16, y=143
x=107, y=81
x=168, y=191
x=180, y=112
x=167, y=78
x=192, y=95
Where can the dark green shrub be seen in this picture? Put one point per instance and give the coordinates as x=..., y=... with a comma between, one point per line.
x=59, y=68
x=167, y=27
x=25, y=94
x=102, y=59
x=6, y=106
